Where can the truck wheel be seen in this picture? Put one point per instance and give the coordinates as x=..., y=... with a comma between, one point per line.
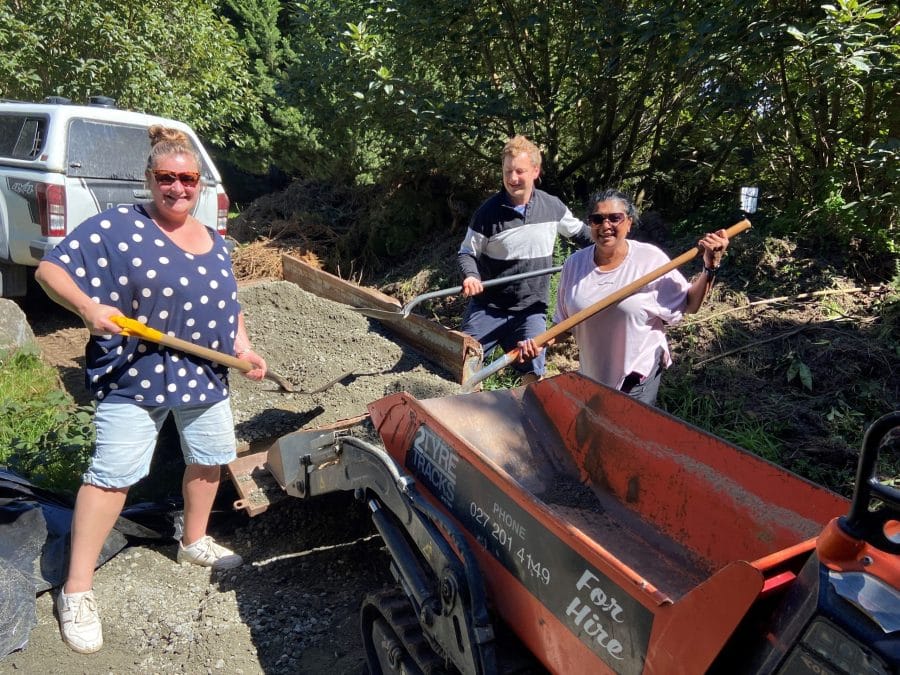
x=393, y=638
x=13, y=280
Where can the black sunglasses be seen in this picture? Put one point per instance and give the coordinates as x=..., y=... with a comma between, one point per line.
x=166, y=178
x=614, y=218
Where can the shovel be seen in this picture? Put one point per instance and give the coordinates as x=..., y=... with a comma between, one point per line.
x=134, y=328
x=560, y=328
x=403, y=312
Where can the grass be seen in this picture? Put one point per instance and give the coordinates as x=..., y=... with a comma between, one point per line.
x=796, y=383
x=505, y=379
x=761, y=427
x=725, y=417
x=44, y=436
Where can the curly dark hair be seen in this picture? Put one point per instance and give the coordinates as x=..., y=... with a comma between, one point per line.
x=611, y=193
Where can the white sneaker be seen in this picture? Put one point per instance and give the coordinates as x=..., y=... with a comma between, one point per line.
x=79, y=621
x=207, y=553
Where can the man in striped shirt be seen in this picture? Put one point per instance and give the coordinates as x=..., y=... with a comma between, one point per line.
x=514, y=231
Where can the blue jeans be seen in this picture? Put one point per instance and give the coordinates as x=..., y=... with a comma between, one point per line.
x=492, y=327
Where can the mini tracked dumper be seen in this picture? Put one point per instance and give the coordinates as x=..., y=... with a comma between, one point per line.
x=565, y=527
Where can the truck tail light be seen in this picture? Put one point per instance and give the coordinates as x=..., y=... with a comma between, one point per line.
x=51, y=209
x=222, y=214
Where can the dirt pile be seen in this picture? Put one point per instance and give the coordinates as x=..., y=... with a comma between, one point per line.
x=311, y=342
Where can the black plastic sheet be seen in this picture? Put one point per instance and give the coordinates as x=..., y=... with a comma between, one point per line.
x=34, y=552
x=17, y=609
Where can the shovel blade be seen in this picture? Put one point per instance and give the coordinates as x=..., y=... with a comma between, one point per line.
x=279, y=380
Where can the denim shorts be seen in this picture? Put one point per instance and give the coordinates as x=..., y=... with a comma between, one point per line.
x=127, y=433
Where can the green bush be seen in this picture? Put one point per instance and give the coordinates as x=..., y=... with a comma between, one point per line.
x=44, y=436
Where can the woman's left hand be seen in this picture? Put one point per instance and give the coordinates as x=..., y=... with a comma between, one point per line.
x=259, y=371
x=528, y=349
x=714, y=245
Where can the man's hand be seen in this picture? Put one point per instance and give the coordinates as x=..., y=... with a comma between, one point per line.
x=472, y=286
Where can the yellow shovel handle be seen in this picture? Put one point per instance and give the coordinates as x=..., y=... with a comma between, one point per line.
x=134, y=328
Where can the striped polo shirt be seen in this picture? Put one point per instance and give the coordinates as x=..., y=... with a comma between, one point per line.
x=502, y=241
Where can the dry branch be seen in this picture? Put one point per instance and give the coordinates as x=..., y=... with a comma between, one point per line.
x=788, y=298
x=755, y=343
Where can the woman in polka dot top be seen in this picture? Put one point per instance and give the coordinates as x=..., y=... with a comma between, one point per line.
x=157, y=263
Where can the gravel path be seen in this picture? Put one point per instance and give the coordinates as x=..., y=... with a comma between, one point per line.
x=292, y=607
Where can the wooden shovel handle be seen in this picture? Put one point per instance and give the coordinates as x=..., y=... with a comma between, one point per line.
x=511, y=356
x=625, y=291
x=134, y=328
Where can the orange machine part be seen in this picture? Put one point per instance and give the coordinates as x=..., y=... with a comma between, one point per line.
x=686, y=636
x=677, y=494
x=840, y=552
x=397, y=418
x=719, y=500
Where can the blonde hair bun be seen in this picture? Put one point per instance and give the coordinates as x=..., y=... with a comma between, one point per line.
x=165, y=141
x=160, y=134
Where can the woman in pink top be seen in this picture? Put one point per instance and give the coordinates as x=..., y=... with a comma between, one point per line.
x=624, y=346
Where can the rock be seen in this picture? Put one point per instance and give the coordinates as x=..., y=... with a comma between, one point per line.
x=14, y=329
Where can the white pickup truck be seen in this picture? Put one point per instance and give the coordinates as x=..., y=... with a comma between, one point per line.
x=62, y=163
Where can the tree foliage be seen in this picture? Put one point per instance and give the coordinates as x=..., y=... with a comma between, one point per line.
x=835, y=92
x=677, y=101
x=169, y=58
x=680, y=102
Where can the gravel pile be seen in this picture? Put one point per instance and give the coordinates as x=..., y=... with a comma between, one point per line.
x=311, y=341
x=293, y=606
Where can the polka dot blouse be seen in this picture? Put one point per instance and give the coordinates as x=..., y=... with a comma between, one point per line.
x=121, y=258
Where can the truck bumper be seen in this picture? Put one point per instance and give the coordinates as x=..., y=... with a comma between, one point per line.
x=38, y=248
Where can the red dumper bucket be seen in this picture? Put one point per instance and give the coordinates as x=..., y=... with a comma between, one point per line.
x=612, y=537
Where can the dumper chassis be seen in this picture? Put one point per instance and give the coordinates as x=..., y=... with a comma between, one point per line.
x=563, y=527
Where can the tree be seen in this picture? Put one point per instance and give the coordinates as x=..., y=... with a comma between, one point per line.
x=677, y=101
x=612, y=91
x=280, y=135
x=169, y=58
x=835, y=91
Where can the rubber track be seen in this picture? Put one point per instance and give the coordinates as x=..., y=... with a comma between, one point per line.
x=395, y=608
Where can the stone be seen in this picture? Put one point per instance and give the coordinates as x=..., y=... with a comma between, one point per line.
x=14, y=329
